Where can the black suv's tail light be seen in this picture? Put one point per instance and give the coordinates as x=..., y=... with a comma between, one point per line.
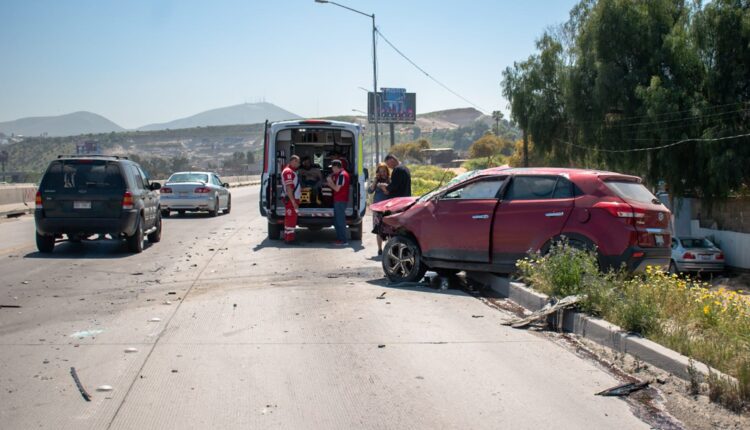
x=38, y=201
x=127, y=200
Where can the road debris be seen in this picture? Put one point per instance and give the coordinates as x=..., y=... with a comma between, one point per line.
x=10, y=306
x=154, y=319
x=74, y=374
x=171, y=293
x=104, y=388
x=477, y=316
x=137, y=273
x=129, y=350
x=381, y=346
x=25, y=282
x=382, y=296
x=624, y=389
x=167, y=302
x=544, y=312
x=86, y=333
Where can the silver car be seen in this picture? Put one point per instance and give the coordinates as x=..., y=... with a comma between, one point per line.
x=195, y=191
x=694, y=254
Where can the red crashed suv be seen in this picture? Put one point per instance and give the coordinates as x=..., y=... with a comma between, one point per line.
x=487, y=220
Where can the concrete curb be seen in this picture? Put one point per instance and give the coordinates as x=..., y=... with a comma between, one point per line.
x=597, y=330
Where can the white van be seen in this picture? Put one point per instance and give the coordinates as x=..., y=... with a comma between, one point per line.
x=321, y=141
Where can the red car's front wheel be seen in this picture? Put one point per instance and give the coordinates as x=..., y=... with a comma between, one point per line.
x=402, y=260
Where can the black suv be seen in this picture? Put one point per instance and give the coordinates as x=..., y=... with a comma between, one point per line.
x=80, y=196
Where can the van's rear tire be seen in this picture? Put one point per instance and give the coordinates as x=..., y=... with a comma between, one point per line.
x=45, y=244
x=274, y=231
x=356, y=232
x=402, y=260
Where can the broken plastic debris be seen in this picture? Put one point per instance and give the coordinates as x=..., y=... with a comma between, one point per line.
x=624, y=389
x=86, y=333
x=382, y=296
x=167, y=302
x=381, y=346
x=131, y=349
x=154, y=319
x=104, y=388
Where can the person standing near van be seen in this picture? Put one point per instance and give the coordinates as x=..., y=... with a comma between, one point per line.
x=400, y=185
x=339, y=183
x=292, y=194
x=382, y=176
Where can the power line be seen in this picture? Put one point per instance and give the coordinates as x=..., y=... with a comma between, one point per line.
x=707, y=109
x=428, y=75
x=655, y=148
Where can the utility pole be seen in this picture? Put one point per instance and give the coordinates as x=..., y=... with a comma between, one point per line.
x=393, y=134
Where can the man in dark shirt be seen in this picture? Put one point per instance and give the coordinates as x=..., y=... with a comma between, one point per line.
x=400, y=185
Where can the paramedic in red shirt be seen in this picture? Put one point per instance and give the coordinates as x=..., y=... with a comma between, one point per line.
x=292, y=194
x=339, y=183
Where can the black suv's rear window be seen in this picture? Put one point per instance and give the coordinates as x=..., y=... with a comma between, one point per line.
x=74, y=175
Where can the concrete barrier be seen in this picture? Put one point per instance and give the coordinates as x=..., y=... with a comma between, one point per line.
x=17, y=199
x=597, y=330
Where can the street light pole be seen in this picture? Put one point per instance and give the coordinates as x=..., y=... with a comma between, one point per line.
x=374, y=72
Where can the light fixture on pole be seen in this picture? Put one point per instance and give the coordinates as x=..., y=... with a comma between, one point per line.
x=374, y=71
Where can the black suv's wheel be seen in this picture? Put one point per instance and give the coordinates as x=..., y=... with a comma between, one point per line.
x=181, y=212
x=215, y=211
x=274, y=231
x=135, y=242
x=402, y=260
x=229, y=205
x=156, y=235
x=45, y=244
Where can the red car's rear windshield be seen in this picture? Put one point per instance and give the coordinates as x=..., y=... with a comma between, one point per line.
x=632, y=191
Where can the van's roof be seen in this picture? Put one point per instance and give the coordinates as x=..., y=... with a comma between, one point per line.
x=314, y=123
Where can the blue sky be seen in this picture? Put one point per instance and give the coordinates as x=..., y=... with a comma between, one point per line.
x=140, y=61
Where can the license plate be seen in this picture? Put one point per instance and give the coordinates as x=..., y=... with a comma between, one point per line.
x=659, y=240
x=81, y=205
x=183, y=193
x=706, y=256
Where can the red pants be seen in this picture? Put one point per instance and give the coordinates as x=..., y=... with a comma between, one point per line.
x=290, y=220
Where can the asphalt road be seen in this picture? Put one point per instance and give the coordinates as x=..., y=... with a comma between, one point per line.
x=253, y=334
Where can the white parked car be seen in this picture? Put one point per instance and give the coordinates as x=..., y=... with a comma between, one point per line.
x=195, y=191
x=693, y=254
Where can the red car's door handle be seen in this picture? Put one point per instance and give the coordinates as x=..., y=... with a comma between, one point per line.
x=480, y=216
x=554, y=214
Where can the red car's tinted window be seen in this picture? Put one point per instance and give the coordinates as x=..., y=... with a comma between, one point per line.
x=485, y=189
x=631, y=191
x=540, y=188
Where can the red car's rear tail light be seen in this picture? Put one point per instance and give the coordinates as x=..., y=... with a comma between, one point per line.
x=621, y=210
x=165, y=190
x=688, y=256
x=38, y=200
x=127, y=200
x=202, y=190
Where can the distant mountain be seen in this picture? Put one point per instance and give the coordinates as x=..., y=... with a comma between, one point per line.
x=247, y=113
x=63, y=125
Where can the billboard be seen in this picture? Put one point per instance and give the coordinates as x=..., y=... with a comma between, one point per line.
x=395, y=105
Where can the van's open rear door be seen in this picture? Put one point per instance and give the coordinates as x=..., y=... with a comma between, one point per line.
x=265, y=178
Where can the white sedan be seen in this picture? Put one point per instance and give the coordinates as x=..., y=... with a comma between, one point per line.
x=695, y=254
x=195, y=191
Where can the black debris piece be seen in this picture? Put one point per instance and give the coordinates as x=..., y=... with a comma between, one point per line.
x=624, y=389
x=74, y=374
